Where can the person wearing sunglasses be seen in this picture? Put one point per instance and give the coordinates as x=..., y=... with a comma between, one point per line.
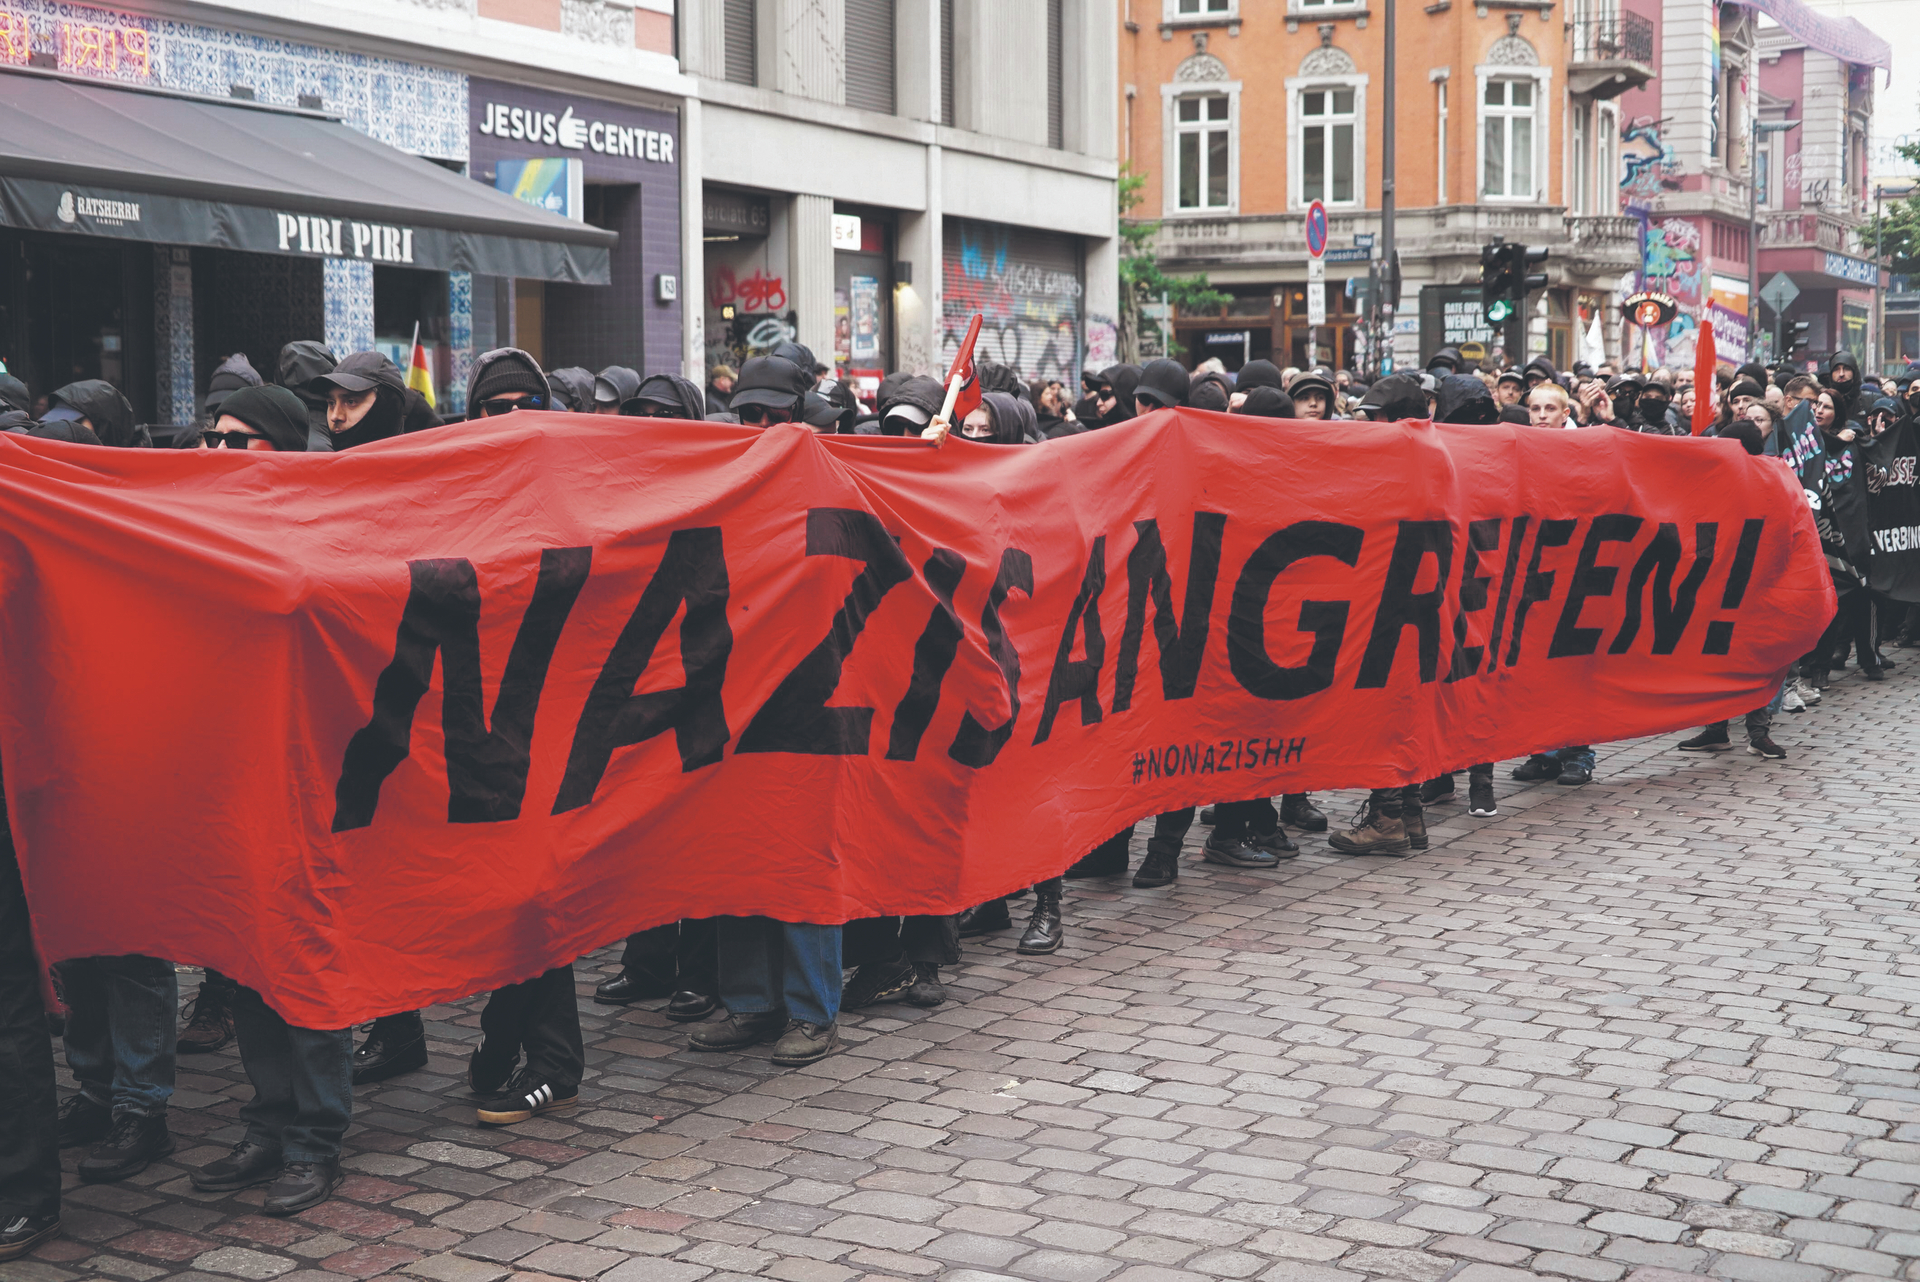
x=771, y=390
x=665, y=396
x=258, y=418
x=504, y=380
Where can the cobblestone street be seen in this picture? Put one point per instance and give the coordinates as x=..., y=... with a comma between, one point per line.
x=1661, y=1025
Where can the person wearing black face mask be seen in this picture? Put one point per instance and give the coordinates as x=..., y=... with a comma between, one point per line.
x=504, y=380
x=1114, y=398
x=665, y=396
x=366, y=399
x=770, y=390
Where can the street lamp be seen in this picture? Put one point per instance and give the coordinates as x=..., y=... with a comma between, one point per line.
x=1753, y=224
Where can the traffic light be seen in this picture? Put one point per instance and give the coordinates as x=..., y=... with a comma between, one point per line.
x=1505, y=280
x=1796, y=335
x=1494, y=300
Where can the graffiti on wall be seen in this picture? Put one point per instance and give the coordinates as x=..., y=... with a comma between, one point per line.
x=1103, y=341
x=1647, y=166
x=1671, y=261
x=1030, y=308
x=756, y=293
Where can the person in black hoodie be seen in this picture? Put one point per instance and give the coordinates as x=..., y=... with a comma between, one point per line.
x=1842, y=374
x=16, y=405
x=228, y=377
x=613, y=387
x=1114, y=398
x=1266, y=402
x=258, y=418
x=1001, y=419
x=504, y=380
x=572, y=388
x=1162, y=384
x=909, y=404
x=366, y=399
x=98, y=404
x=300, y=363
x=665, y=396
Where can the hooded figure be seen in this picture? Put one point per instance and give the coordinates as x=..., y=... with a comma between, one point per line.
x=71, y=430
x=572, y=389
x=1540, y=370
x=999, y=378
x=1087, y=408
x=909, y=405
x=416, y=415
x=274, y=412
x=228, y=377
x=1465, y=399
x=1210, y=393
x=665, y=396
x=613, y=387
x=300, y=363
x=1258, y=374
x=800, y=354
x=16, y=405
x=1010, y=418
x=1267, y=402
x=105, y=410
x=771, y=385
x=1163, y=384
x=1846, y=387
x=506, y=372
x=821, y=414
x=1515, y=414
x=357, y=375
x=1400, y=396
x=1121, y=380
x=1446, y=360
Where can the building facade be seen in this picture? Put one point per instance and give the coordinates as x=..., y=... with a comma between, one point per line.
x=860, y=174
x=874, y=172
x=1242, y=115
x=1746, y=162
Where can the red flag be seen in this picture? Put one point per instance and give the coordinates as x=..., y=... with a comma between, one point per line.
x=351, y=823
x=963, y=388
x=1704, y=389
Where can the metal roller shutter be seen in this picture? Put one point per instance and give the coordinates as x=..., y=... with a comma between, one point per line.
x=741, y=54
x=1056, y=53
x=946, y=62
x=870, y=55
x=1027, y=285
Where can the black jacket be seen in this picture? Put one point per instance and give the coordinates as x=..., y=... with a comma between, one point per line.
x=300, y=363
x=1123, y=379
x=110, y=413
x=1012, y=417
x=228, y=377
x=572, y=388
x=668, y=389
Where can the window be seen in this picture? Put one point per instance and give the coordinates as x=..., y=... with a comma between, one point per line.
x=1200, y=8
x=1580, y=161
x=1507, y=146
x=1326, y=145
x=738, y=19
x=946, y=62
x=1763, y=174
x=1202, y=149
x=1440, y=172
x=870, y=55
x=1056, y=74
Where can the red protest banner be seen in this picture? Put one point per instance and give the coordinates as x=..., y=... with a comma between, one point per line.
x=372, y=730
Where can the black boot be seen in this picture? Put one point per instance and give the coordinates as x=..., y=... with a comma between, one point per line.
x=1043, y=933
x=1108, y=859
x=207, y=1023
x=985, y=919
x=634, y=985
x=396, y=1044
x=1298, y=811
x=134, y=1141
x=1436, y=790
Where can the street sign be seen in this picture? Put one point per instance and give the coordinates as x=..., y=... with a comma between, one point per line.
x=1316, y=229
x=1780, y=292
x=1347, y=255
x=1316, y=290
x=1363, y=240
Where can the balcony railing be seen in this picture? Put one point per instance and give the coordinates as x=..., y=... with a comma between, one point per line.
x=1603, y=231
x=1613, y=37
x=1797, y=228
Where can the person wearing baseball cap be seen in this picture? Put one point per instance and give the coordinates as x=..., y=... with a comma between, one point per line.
x=770, y=390
x=1163, y=385
x=1509, y=388
x=365, y=399
x=613, y=387
x=1312, y=395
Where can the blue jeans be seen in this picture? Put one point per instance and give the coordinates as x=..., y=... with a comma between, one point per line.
x=120, y=1032
x=768, y=965
x=302, y=1081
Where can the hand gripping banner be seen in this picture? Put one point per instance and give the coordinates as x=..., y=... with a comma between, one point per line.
x=370, y=730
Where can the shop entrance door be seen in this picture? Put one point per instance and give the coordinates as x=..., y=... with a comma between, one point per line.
x=71, y=316
x=1334, y=341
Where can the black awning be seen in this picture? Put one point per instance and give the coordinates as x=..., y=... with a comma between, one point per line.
x=93, y=159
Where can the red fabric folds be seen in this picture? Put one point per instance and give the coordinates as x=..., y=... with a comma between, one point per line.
x=370, y=730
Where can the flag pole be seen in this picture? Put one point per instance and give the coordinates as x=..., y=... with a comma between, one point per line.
x=957, y=375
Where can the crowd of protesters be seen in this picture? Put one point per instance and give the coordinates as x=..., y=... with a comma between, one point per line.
x=771, y=981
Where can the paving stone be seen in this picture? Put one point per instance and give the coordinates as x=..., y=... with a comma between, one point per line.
x=239, y=1262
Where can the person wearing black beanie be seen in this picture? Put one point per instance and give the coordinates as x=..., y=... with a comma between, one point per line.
x=259, y=418
x=506, y=379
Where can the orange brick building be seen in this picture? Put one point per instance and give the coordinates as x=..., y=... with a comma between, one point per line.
x=1241, y=112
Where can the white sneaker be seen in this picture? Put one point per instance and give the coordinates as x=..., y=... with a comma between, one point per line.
x=1809, y=693
x=1790, y=700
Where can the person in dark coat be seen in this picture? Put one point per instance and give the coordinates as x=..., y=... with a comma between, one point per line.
x=504, y=380
x=259, y=418
x=1400, y=396
x=29, y=1131
x=16, y=405
x=665, y=396
x=98, y=405
x=1163, y=384
x=572, y=389
x=1447, y=360
x=1114, y=398
x=300, y=363
x=909, y=404
x=771, y=389
x=1266, y=402
x=1253, y=376
x=1001, y=419
x=613, y=387
x=366, y=399
x=1842, y=374
x=228, y=377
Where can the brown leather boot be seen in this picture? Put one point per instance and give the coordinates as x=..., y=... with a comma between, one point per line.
x=1374, y=834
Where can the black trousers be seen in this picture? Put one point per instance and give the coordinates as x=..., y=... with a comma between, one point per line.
x=29, y=1139
x=1851, y=629
x=931, y=941
x=541, y=1017
x=1234, y=819
x=1398, y=803
x=686, y=951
